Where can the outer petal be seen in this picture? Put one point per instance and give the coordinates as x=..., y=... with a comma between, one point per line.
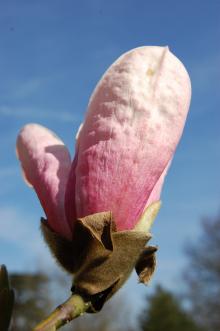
x=135, y=119
x=46, y=164
x=155, y=193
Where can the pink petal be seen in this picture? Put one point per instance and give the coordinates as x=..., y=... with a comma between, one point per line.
x=70, y=194
x=134, y=121
x=155, y=193
x=70, y=189
x=46, y=165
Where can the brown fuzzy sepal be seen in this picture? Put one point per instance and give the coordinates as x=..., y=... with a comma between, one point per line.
x=101, y=258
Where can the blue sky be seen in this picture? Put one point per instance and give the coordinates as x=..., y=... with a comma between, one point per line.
x=52, y=53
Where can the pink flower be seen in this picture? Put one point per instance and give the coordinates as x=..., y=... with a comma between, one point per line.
x=134, y=121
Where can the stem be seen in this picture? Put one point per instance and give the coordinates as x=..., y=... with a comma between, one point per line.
x=70, y=309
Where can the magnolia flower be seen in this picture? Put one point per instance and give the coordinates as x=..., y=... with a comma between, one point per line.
x=134, y=121
x=99, y=207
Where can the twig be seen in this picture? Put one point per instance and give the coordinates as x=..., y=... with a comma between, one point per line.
x=70, y=309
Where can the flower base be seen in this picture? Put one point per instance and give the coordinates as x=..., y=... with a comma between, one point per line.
x=100, y=258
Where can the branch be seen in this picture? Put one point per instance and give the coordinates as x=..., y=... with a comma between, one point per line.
x=6, y=299
x=74, y=307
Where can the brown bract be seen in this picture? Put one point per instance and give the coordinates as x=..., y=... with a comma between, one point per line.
x=101, y=258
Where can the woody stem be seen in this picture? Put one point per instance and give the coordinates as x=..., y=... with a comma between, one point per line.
x=66, y=312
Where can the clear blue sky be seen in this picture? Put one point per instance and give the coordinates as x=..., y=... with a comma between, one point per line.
x=52, y=53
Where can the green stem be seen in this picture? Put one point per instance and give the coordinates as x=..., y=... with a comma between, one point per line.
x=70, y=309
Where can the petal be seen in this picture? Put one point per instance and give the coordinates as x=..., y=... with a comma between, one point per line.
x=134, y=121
x=71, y=183
x=146, y=220
x=153, y=205
x=70, y=206
x=155, y=193
x=46, y=164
